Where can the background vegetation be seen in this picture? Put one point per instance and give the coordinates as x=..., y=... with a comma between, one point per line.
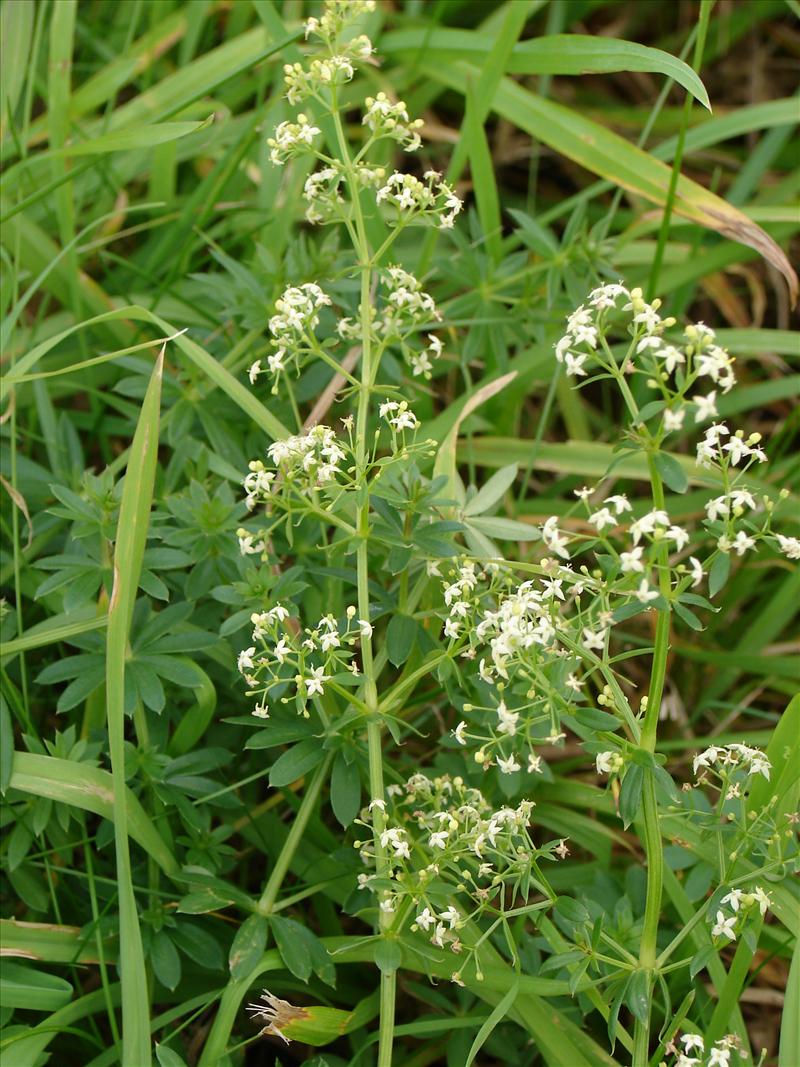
x=138, y=200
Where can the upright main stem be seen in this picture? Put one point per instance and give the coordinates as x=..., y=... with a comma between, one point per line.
x=374, y=726
x=652, y=832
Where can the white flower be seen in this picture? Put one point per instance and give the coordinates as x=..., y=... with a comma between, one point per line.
x=594, y=639
x=648, y=523
x=790, y=546
x=261, y=711
x=508, y=766
x=315, y=682
x=425, y=919
x=733, y=899
x=691, y=1041
x=602, y=518
x=720, y=1056
x=290, y=139
x=741, y=543
x=507, y=720
x=620, y=503
x=632, y=561
x=534, y=764
x=438, y=839
x=724, y=926
x=573, y=363
x=762, y=898
x=673, y=420
x=458, y=733
x=450, y=916
x=608, y=762
x=245, y=660
x=365, y=628
x=706, y=407
x=644, y=594
x=697, y=571
x=554, y=540
x=254, y=371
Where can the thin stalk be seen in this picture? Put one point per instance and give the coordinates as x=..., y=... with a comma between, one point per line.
x=652, y=831
x=267, y=902
x=663, y=233
x=374, y=729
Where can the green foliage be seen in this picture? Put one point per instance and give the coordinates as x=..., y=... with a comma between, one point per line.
x=165, y=852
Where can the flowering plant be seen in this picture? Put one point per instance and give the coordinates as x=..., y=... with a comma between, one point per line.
x=526, y=652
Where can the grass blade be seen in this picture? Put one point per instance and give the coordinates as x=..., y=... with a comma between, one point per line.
x=90, y=789
x=134, y=517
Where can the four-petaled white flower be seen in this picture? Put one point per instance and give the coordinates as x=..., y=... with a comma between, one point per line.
x=724, y=926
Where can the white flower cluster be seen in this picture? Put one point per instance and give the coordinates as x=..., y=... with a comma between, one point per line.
x=713, y=450
x=398, y=415
x=336, y=16
x=414, y=198
x=724, y=759
x=739, y=901
x=292, y=328
x=308, y=660
x=387, y=119
x=303, y=461
x=526, y=645
x=697, y=357
x=444, y=830
x=321, y=74
x=717, y=1055
x=291, y=139
x=789, y=546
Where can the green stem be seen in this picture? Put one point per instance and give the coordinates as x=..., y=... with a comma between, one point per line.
x=374, y=729
x=652, y=831
x=299, y=823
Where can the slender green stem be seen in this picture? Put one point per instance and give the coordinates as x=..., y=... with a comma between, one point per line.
x=652, y=831
x=374, y=729
x=299, y=823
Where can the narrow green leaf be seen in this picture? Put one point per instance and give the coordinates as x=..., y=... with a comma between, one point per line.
x=22, y=986
x=789, y=1051
x=248, y=946
x=167, y=1057
x=293, y=949
x=91, y=789
x=637, y=996
x=630, y=794
x=718, y=573
x=566, y=54
x=401, y=635
x=296, y=762
x=673, y=474
x=165, y=960
x=132, y=529
x=492, y=492
x=6, y=745
x=345, y=790
x=498, y=1014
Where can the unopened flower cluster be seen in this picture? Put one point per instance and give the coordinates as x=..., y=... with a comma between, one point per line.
x=301, y=663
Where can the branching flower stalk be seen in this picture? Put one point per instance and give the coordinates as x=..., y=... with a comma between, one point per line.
x=524, y=660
